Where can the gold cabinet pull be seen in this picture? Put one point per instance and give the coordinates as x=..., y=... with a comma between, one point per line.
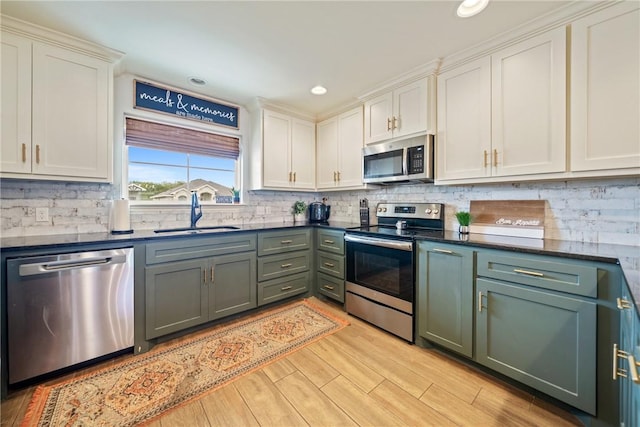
x=204, y=276
x=328, y=264
x=495, y=157
x=442, y=251
x=285, y=265
x=485, y=158
x=619, y=372
x=212, y=275
x=480, y=302
x=338, y=176
x=289, y=176
x=329, y=242
x=528, y=273
x=294, y=177
x=286, y=288
x=24, y=153
x=335, y=176
x=623, y=304
x=389, y=123
x=395, y=123
x=285, y=242
x=38, y=153
x=328, y=287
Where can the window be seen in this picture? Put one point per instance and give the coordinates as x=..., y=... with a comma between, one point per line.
x=167, y=163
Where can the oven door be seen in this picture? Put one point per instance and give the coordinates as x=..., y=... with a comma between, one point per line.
x=381, y=265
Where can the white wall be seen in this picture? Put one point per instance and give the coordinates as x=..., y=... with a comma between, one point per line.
x=599, y=211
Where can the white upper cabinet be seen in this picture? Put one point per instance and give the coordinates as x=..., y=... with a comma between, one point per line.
x=339, y=151
x=16, y=104
x=402, y=112
x=504, y=115
x=56, y=110
x=288, y=152
x=464, y=121
x=605, y=91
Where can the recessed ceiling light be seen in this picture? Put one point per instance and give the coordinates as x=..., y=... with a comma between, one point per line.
x=318, y=90
x=197, y=81
x=469, y=8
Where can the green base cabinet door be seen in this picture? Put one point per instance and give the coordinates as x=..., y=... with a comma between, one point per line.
x=543, y=339
x=176, y=295
x=445, y=295
x=233, y=287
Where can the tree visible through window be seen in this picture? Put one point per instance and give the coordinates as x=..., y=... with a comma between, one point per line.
x=167, y=163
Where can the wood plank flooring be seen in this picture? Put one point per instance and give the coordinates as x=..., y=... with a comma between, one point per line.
x=360, y=376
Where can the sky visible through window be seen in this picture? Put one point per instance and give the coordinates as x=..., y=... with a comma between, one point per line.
x=161, y=167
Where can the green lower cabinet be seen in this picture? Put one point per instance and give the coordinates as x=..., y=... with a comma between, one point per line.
x=543, y=339
x=629, y=346
x=330, y=286
x=285, y=287
x=445, y=295
x=233, y=286
x=182, y=294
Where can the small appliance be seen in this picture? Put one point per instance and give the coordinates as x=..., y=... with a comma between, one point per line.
x=405, y=161
x=319, y=211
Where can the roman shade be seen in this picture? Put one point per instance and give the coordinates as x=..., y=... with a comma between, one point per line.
x=141, y=133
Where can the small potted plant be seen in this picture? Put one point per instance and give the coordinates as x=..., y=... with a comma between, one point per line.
x=464, y=219
x=298, y=209
x=236, y=195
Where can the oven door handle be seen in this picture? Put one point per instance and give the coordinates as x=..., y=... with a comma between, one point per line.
x=385, y=243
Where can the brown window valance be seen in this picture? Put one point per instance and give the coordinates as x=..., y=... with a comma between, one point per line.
x=140, y=133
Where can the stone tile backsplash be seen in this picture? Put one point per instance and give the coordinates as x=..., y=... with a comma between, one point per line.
x=597, y=211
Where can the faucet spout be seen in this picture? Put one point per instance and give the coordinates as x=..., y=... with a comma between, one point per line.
x=196, y=210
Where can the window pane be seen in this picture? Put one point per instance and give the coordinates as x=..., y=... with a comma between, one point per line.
x=148, y=155
x=152, y=182
x=211, y=162
x=223, y=178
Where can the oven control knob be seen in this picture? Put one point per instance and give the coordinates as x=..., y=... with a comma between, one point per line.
x=435, y=211
x=428, y=211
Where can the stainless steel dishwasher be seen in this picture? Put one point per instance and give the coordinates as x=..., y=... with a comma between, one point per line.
x=66, y=309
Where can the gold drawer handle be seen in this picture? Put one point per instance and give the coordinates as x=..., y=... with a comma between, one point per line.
x=38, y=153
x=328, y=264
x=286, y=265
x=621, y=372
x=338, y=176
x=286, y=288
x=622, y=304
x=442, y=251
x=528, y=273
x=24, y=153
x=329, y=242
x=388, y=123
x=335, y=177
x=633, y=368
x=328, y=287
x=485, y=158
x=495, y=157
x=285, y=242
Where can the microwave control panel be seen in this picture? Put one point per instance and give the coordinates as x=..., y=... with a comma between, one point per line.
x=415, y=160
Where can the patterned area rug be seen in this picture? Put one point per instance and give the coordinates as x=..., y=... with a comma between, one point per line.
x=145, y=386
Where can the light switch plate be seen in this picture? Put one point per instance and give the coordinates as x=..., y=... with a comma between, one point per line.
x=42, y=214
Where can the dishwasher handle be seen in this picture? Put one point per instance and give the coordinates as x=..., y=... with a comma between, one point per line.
x=71, y=264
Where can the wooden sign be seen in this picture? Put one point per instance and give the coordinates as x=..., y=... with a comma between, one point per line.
x=170, y=101
x=518, y=218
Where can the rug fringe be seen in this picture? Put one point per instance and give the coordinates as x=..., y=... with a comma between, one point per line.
x=36, y=406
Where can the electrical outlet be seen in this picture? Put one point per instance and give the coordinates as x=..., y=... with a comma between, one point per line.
x=31, y=211
x=267, y=210
x=350, y=210
x=42, y=214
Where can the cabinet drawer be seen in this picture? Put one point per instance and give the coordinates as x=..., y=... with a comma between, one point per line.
x=330, y=241
x=275, y=266
x=283, y=241
x=543, y=272
x=198, y=247
x=274, y=290
x=331, y=286
x=331, y=264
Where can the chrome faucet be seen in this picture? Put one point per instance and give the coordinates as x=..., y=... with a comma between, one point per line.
x=196, y=210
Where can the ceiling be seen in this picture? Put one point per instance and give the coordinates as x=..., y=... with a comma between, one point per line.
x=278, y=50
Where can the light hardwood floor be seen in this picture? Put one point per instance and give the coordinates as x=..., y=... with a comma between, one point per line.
x=360, y=376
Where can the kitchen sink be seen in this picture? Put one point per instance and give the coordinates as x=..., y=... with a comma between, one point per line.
x=194, y=230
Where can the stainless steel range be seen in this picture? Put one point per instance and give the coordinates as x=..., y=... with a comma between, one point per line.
x=380, y=286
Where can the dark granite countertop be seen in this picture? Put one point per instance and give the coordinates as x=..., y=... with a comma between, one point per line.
x=628, y=257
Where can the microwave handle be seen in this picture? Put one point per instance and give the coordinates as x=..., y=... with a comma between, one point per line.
x=405, y=160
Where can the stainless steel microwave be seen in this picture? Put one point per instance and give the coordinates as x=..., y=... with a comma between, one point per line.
x=408, y=160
